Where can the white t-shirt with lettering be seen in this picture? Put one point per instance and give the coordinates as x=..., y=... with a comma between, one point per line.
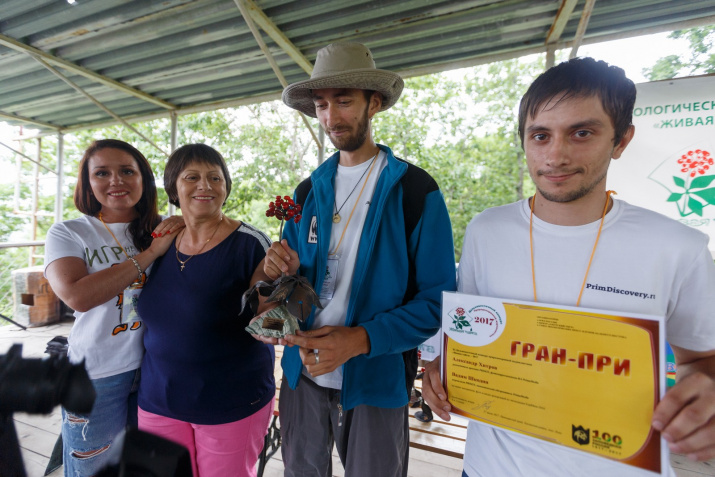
x=109, y=343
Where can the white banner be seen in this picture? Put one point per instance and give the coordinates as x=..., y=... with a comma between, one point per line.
x=669, y=166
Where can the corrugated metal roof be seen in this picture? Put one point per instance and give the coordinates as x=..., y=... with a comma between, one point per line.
x=143, y=58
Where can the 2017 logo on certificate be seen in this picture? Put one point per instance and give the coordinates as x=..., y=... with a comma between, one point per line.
x=481, y=324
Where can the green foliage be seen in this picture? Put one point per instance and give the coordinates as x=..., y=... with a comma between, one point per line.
x=464, y=133
x=700, y=58
x=664, y=68
x=702, y=48
x=10, y=221
x=428, y=107
x=274, y=152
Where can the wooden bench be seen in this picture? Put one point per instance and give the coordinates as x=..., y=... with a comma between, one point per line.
x=441, y=437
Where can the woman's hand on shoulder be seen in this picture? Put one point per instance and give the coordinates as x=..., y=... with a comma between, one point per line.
x=168, y=226
x=164, y=234
x=159, y=245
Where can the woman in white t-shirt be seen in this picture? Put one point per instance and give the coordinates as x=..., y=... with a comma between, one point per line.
x=97, y=265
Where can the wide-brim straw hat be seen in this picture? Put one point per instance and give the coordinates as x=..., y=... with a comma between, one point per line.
x=344, y=65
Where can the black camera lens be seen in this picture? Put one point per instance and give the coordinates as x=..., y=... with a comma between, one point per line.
x=36, y=386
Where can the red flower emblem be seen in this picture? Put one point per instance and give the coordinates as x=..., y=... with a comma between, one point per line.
x=695, y=162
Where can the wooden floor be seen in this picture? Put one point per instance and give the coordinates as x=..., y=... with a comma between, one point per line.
x=37, y=433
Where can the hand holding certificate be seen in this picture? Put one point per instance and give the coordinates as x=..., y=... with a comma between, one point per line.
x=585, y=379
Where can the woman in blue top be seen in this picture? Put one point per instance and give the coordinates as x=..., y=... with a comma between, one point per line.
x=206, y=383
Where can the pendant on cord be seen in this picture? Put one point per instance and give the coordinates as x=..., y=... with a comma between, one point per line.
x=336, y=215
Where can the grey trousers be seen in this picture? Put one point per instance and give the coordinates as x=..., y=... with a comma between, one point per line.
x=371, y=441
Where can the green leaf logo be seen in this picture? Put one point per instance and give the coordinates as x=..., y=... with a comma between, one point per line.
x=690, y=191
x=459, y=319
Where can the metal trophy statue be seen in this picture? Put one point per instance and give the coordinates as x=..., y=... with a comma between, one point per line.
x=294, y=293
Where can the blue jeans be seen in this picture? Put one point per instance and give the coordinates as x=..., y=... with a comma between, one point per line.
x=87, y=438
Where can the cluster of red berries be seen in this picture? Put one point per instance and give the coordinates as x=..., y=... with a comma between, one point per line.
x=701, y=162
x=284, y=208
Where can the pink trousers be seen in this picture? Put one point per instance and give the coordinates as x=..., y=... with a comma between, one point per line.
x=216, y=450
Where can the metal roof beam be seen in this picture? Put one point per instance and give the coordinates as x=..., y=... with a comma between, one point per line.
x=663, y=27
x=199, y=108
x=275, y=33
x=68, y=65
x=509, y=55
x=242, y=5
x=27, y=157
x=560, y=21
x=15, y=117
x=582, y=25
x=77, y=88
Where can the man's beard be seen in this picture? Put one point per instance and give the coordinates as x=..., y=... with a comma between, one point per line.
x=353, y=142
x=571, y=196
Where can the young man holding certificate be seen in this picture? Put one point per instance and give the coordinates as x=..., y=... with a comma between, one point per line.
x=573, y=244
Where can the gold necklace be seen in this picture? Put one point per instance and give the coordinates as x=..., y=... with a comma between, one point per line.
x=351, y=212
x=178, y=243
x=593, y=252
x=336, y=215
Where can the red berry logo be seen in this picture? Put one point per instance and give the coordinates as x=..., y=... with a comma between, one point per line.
x=693, y=193
x=695, y=162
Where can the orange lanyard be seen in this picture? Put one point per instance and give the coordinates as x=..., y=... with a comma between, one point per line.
x=593, y=252
x=334, y=252
x=110, y=233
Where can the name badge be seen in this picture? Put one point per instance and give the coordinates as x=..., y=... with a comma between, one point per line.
x=313, y=231
x=331, y=277
x=129, y=305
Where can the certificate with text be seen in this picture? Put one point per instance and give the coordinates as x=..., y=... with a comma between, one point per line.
x=581, y=378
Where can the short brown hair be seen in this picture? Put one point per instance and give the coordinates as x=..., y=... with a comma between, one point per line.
x=188, y=154
x=582, y=78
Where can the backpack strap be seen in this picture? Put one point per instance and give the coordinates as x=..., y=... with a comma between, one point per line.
x=301, y=192
x=416, y=184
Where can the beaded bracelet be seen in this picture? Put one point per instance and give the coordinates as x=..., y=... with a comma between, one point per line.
x=136, y=264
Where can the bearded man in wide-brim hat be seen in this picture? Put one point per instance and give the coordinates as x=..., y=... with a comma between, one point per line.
x=376, y=242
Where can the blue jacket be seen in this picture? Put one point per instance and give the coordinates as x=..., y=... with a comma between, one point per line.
x=385, y=261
